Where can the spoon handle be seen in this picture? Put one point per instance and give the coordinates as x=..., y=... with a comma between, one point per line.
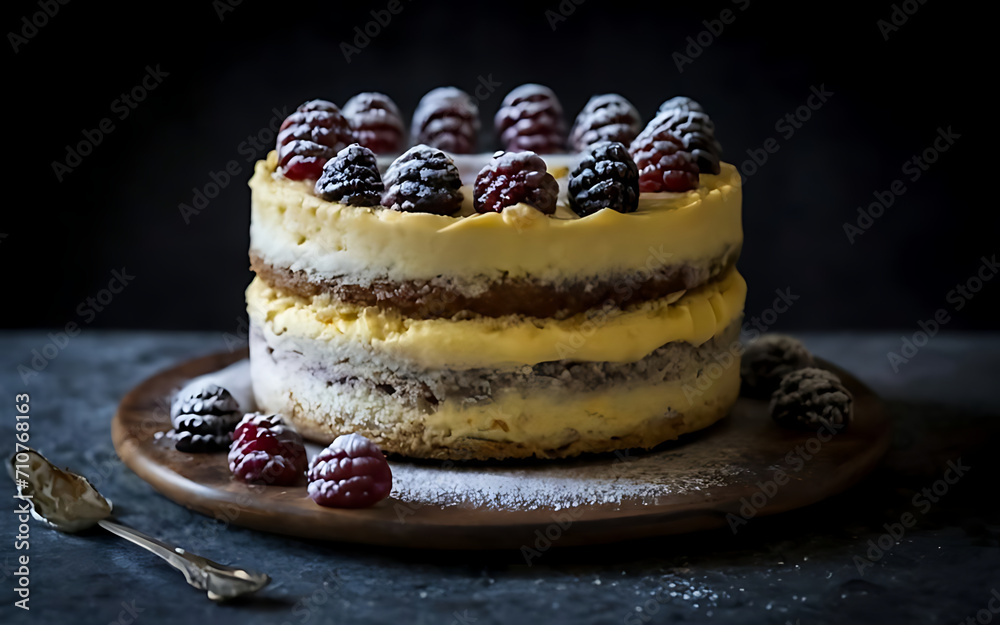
x=220, y=581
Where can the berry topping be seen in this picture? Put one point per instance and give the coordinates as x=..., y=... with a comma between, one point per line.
x=531, y=118
x=203, y=419
x=681, y=103
x=695, y=130
x=309, y=137
x=448, y=119
x=265, y=450
x=514, y=177
x=350, y=473
x=664, y=164
x=606, y=177
x=767, y=360
x=608, y=117
x=351, y=178
x=423, y=180
x=376, y=122
x=809, y=398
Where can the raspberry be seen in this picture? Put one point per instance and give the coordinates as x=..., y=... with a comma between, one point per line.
x=203, y=419
x=608, y=117
x=513, y=177
x=376, y=122
x=767, y=360
x=664, y=164
x=423, y=180
x=265, y=450
x=810, y=398
x=531, y=118
x=310, y=136
x=681, y=103
x=607, y=177
x=254, y=421
x=350, y=473
x=448, y=119
x=351, y=178
x=696, y=132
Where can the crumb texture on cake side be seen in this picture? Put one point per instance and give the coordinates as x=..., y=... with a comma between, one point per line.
x=638, y=406
x=486, y=388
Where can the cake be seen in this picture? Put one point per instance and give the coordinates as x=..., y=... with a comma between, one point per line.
x=533, y=303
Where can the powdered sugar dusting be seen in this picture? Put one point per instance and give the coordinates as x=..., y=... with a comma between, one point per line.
x=643, y=478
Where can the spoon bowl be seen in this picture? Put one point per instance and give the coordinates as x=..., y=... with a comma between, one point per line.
x=68, y=502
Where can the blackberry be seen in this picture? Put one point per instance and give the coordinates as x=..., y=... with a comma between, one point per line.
x=266, y=451
x=351, y=178
x=202, y=420
x=376, y=122
x=768, y=359
x=810, y=398
x=531, y=118
x=664, y=164
x=207, y=399
x=513, y=177
x=309, y=137
x=681, y=103
x=447, y=118
x=695, y=130
x=423, y=180
x=608, y=117
x=192, y=443
x=350, y=473
x=606, y=177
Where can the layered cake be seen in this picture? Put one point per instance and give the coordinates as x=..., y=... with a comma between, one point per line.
x=574, y=293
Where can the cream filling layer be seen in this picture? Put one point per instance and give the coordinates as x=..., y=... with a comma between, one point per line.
x=609, y=335
x=292, y=228
x=546, y=419
x=556, y=419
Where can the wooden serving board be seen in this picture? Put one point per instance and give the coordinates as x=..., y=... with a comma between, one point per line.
x=742, y=468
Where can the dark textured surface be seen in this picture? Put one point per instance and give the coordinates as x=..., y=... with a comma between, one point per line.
x=796, y=568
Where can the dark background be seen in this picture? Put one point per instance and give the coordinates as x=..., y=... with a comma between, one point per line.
x=119, y=207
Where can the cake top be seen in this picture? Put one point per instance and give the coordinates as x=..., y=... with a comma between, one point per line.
x=610, y=161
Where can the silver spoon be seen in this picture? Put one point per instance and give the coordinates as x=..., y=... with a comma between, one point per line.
x=69, y=503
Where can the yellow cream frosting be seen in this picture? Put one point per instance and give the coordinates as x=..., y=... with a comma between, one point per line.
x=613, y=336
x=293, y=228
x=552, y=420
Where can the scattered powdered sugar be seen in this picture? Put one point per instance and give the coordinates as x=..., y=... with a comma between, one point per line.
x=622, y=478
